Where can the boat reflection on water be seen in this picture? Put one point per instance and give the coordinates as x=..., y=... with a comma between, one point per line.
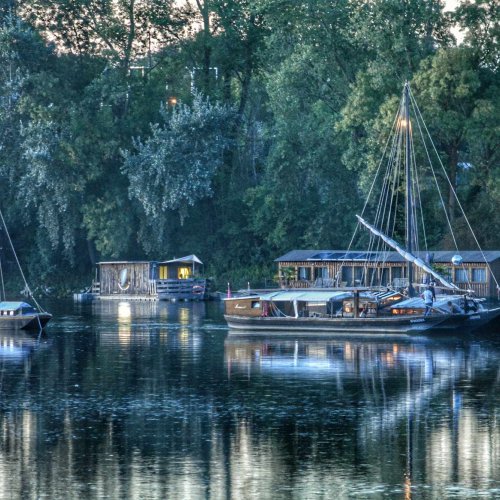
x=423, y=403
x=320, y=357
x=17, y=347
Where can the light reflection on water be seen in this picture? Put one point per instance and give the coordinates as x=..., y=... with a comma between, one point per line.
x=148, y=400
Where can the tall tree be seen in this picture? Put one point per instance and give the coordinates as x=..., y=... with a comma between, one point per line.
x=174, y=168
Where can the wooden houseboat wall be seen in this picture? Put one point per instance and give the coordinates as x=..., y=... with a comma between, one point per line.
x=125, y=278
x=178, y=279
x=308, y=268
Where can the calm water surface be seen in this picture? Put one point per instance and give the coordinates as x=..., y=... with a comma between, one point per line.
x=157, y=400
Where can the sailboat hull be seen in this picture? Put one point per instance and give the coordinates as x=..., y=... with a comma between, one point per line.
x=31, y=322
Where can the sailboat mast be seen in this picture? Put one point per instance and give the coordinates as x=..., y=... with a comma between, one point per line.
x=409, y=201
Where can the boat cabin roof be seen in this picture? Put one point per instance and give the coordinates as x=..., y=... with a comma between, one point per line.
x=299, y=295
x=14, y=306
x=441, y=302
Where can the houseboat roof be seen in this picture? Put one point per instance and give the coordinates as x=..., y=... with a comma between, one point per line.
x=439, y=256
x=122, y=262
x=188, y=259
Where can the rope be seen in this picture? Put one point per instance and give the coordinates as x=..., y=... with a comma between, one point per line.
x=367, y=200
x=462, y=211
x=3, y=284
x=30, y=293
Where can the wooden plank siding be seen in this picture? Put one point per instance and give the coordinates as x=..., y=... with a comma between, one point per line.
x=487, y=288
x=138, y=278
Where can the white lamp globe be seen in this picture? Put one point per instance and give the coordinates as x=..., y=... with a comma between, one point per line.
x=456, y=260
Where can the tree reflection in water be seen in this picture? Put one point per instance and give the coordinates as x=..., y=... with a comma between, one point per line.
x=158, y=401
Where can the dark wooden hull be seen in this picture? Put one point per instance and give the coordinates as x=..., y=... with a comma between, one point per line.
x=472, y=321
x=407, y=325
x=31, y=322
x=369, y=326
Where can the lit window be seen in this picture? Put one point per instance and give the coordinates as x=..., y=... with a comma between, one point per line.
x=184, y=273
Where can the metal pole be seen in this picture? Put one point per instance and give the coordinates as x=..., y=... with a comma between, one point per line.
x=409, y=201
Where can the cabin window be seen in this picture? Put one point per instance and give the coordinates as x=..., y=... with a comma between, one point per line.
x=479, y=275
x=461, y=276
x=183, y=273
x=255, y=305
x=304, y=273
x=163, y=272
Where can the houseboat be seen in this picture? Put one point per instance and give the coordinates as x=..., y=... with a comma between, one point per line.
x=175, y=279
x=475, y=271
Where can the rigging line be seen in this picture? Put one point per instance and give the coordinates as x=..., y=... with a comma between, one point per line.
x=18, y=263
x=432, y=169
x=3, y=284
x=380, y=212
x=396, y=170
x=420, y=204
x=468, y=280
x=394, y=198
x=386, y=200
x=393, y=162
x=424, y=232
x=439, y=191
x=369, y=192
x=415, y=236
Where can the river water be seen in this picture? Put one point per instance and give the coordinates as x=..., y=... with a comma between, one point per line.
x=156, y=400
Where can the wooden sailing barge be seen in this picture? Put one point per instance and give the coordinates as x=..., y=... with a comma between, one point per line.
x=377, y=307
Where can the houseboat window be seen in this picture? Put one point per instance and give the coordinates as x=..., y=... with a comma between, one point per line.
x=255, y=305
x=397, y=272
x=384, y=276
x=153, y=272
x=163, y=272
x=184, y=273
x=304, y=273
x=479, y=275
x=321, y=272
x=347, y=275
x=358, y=275
x=461, y=276
x=371, y=276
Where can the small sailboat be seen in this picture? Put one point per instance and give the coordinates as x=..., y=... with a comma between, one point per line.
x=19, y=315
x=434, y=304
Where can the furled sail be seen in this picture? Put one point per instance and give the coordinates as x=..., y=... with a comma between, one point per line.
x=407, y=255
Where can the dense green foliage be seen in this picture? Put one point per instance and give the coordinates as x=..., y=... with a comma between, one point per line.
x=233, y=129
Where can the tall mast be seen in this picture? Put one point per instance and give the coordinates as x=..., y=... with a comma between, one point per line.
x=409, y=201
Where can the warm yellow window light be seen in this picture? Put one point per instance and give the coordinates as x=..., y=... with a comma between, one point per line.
x=183, y=273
